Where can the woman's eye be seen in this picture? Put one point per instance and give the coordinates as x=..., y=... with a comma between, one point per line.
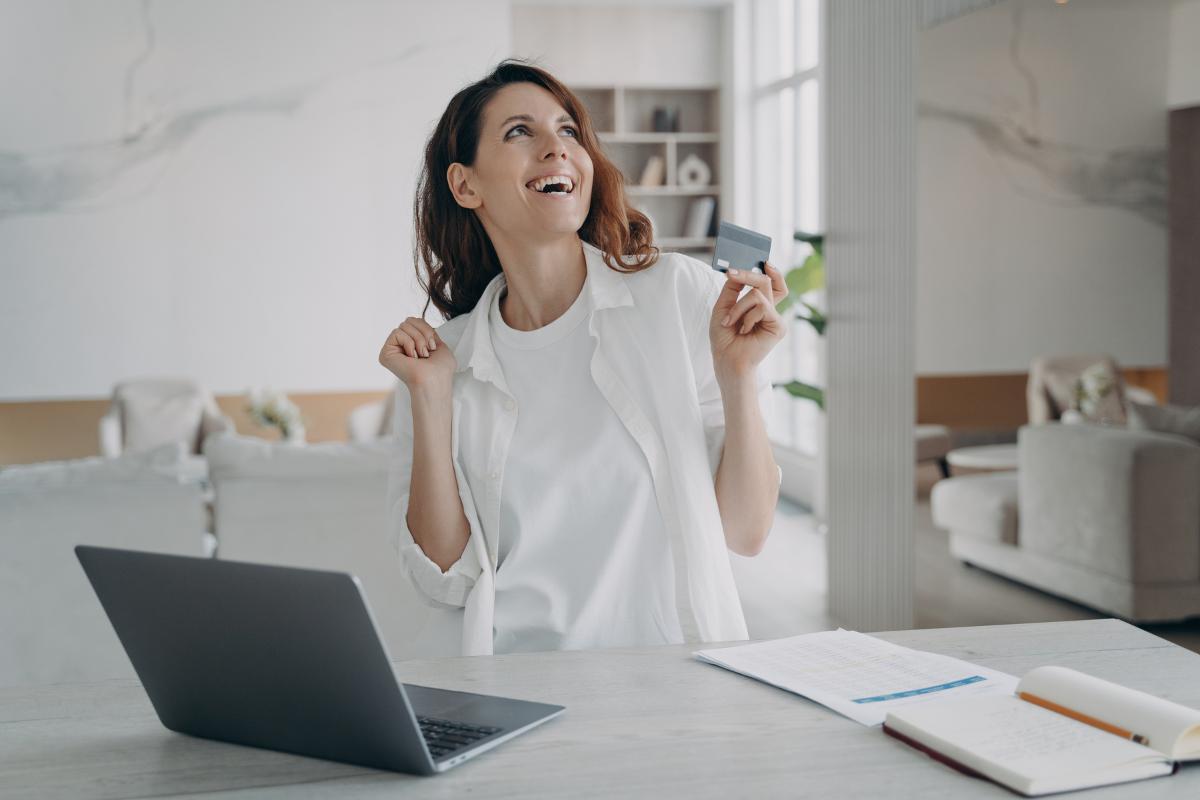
x=513, y=130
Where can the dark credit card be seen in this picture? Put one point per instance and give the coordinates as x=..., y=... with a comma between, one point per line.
x=740, y=248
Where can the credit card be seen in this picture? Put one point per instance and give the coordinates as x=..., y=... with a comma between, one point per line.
x=740, y=248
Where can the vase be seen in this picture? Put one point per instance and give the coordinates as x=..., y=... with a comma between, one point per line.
x=1072, y=417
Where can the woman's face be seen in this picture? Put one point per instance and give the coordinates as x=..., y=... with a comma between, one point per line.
x=526, y=135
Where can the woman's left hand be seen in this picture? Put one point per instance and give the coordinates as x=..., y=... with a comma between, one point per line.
x=754, y=326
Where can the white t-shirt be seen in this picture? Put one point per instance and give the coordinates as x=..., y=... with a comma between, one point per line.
x=583, y=558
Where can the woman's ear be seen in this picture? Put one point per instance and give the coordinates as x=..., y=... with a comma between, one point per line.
x=458, y=178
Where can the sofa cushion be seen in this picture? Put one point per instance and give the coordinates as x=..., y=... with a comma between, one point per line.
x=157, y=413
x=984, y=506
x=1179, y=420
x=160, y=463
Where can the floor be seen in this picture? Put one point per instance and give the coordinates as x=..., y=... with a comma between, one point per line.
x=783, y=587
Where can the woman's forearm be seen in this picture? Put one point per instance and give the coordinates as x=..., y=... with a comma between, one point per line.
x=747, y=482
x=435, y=513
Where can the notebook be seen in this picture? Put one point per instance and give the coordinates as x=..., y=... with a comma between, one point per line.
x=1061, y=730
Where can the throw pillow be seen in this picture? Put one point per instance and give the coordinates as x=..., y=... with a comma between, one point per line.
x=156, y=415
x=1179, y=420
x=1062, y=386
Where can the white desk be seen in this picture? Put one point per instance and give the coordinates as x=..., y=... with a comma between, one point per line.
x=647, y=722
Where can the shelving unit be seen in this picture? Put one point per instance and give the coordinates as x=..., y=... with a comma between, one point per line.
x=623, y=118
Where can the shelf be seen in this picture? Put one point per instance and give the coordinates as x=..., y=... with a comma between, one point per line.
x=625, y=118
x=670, y=191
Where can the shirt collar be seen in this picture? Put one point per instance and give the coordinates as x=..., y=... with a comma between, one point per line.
x=475, y=351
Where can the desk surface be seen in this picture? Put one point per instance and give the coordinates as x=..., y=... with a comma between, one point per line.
x=639, y=722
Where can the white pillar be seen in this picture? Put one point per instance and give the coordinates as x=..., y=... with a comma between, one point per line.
x=870, y=255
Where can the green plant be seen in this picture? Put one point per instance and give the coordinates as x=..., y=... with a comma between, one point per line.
x=806, y=277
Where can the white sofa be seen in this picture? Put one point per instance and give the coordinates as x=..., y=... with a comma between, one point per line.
x=1106, y=516
x=323, y=506
x=52, y=627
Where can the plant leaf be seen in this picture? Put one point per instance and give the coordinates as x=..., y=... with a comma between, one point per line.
x=806, y=391
x=808, y=276
x=815, y=318
x=815, y=240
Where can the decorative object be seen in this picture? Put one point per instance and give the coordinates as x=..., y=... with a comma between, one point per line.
x=700, y=216
x=273, y=409
x=665, y=120
x=1056, y=385
x=1072, y=416
x=1093, y=385
x=688, y=120
x=693, y=172
x=653, y=172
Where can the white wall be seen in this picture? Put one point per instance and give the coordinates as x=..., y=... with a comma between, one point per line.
x=1183, y=82
x=1041, y=185
x=217, y=189
x=657, y=43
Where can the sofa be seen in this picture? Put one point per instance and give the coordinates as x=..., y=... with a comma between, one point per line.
x=1105, y=516
x=54, y=629
x=323, y=506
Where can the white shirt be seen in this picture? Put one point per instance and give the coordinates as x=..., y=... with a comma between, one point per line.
x=653, y=365
x=583, y=559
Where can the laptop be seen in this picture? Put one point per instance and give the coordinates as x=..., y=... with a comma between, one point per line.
x=286, y=659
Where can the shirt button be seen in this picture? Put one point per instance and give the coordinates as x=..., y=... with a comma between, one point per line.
x=509, y=404
x=495, y=475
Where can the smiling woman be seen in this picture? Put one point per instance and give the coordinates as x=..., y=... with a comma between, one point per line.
x=498, y=155
x=583, y=439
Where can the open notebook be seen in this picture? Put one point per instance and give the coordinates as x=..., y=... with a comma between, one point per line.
x=1061, y=730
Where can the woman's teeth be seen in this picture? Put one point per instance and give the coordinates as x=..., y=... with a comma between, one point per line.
x=554, y=184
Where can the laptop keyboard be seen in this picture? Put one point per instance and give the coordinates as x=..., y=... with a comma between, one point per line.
x=444, y=736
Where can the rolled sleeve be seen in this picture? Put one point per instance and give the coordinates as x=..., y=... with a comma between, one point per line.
x=712, y=407
x=449, y=589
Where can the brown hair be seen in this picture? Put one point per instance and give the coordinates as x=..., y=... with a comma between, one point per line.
x=450, y=239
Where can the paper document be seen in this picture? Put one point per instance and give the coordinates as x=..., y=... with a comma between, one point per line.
x=858, y=675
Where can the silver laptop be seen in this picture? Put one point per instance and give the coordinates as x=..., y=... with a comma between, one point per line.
x=286, y=659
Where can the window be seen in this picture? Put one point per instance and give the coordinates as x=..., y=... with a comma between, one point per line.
x=785, y=69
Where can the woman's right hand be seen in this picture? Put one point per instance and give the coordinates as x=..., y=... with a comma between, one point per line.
x=415, y=354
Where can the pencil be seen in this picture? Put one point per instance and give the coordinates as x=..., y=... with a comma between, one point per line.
x=1075, y=715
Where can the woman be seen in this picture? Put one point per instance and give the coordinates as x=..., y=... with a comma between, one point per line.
x=572, y=485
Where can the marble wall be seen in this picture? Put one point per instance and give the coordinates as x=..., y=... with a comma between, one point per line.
x=217, y=189
x=1042, y=185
